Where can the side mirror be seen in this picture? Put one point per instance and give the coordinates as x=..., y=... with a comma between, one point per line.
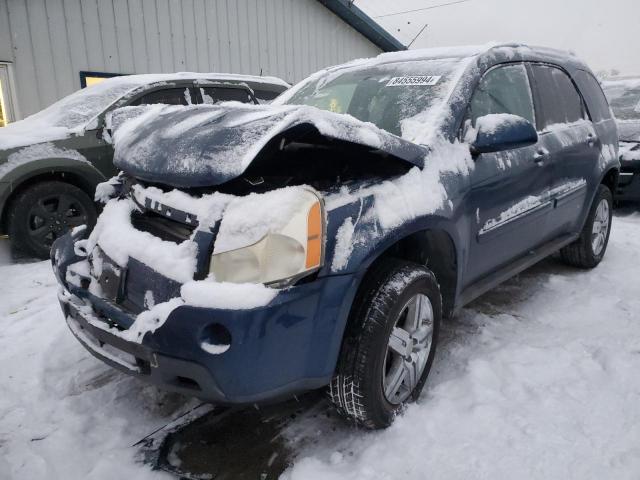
x=502, y=131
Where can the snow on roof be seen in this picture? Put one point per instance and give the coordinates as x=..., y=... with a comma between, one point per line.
x=148, y=78
x=76, y=112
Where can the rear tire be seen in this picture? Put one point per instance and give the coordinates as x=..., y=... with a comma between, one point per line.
x=44, y=212
x=389, y=345
x=589, y=249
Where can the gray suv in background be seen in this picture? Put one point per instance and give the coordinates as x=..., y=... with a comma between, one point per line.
x=51, y=162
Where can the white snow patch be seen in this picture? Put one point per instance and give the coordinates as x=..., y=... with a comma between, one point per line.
x=491, y=123
x=629, y=151
x=528, y=382
x=344, y=245
x=421, y=192
x=119, y=240
x=226, y=296
x=105, y=191
x=214, y=349
x=37, y=152
x=206, y=209
x=149, y=320
x=531, y=202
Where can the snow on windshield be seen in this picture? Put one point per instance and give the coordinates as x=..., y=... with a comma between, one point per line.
x=404, y=98
x=624, y=98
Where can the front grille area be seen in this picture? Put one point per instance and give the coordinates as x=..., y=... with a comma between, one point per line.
x=144, y=287
x=161, y=227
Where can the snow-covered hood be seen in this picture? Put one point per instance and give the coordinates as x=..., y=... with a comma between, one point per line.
x=206, y=145
x=629, y=130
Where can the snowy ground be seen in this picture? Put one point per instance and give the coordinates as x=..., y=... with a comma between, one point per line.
x=538, y=379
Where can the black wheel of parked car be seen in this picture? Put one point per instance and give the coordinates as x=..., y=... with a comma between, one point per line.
x=390, y=343
x=45, y=211
x=588, y=250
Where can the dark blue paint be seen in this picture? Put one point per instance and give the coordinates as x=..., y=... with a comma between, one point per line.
x=292, y=344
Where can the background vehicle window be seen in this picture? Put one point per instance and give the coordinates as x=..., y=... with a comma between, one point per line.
x=169, y=96
x=560, y=102
x=624, y=98
x=503, y=90
x=213, y=95
x=266, y=95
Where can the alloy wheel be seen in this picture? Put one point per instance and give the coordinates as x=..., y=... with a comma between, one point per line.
x=408, y=349
x=52, y=216
x=600, y=228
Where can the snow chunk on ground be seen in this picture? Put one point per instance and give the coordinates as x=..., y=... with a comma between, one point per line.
x=528, y=382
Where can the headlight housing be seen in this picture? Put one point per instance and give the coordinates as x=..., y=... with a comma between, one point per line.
x=280, y=257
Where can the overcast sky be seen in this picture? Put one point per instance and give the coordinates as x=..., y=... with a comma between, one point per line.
x=605, y=33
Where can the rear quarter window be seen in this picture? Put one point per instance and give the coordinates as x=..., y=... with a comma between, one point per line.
x=559, y=101
x=596, y=101
x=266, y=95
x=167, y=96
x=212, y=95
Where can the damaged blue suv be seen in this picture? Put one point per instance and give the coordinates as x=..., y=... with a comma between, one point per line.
x=247, y=254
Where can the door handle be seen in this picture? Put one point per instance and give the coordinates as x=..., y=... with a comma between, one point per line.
x=541, y=155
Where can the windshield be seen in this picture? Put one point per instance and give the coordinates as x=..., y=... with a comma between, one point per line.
x=77, y=109
x=387, y=95
x=624, y=98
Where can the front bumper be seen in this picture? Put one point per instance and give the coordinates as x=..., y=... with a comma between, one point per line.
x=287, y=347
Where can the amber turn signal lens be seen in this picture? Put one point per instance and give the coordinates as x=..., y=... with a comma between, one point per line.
x=314, y=236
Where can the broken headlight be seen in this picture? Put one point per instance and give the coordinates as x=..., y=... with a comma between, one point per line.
x=280, y=257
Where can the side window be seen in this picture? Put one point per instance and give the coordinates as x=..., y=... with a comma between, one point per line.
x=168, y=96
x=265, y=95
x=598, y=105
x=213, y=95
x=559, y=100
x=503, y=90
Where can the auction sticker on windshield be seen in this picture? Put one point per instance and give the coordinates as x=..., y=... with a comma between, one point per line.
x=427, y=80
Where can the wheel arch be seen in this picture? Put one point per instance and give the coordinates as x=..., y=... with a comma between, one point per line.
x=433, y=247
x=610, y=179
x=83, y=176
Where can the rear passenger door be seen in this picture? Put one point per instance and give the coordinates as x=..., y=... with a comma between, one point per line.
x=506, y=200
x=569, y=142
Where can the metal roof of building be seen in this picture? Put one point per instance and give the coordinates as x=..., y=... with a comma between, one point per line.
x=363, y=23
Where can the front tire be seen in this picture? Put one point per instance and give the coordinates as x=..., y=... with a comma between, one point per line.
x=390, y=344
x=45, y=211
x=589, y=249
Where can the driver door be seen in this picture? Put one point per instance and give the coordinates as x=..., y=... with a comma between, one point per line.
x=507, y=202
